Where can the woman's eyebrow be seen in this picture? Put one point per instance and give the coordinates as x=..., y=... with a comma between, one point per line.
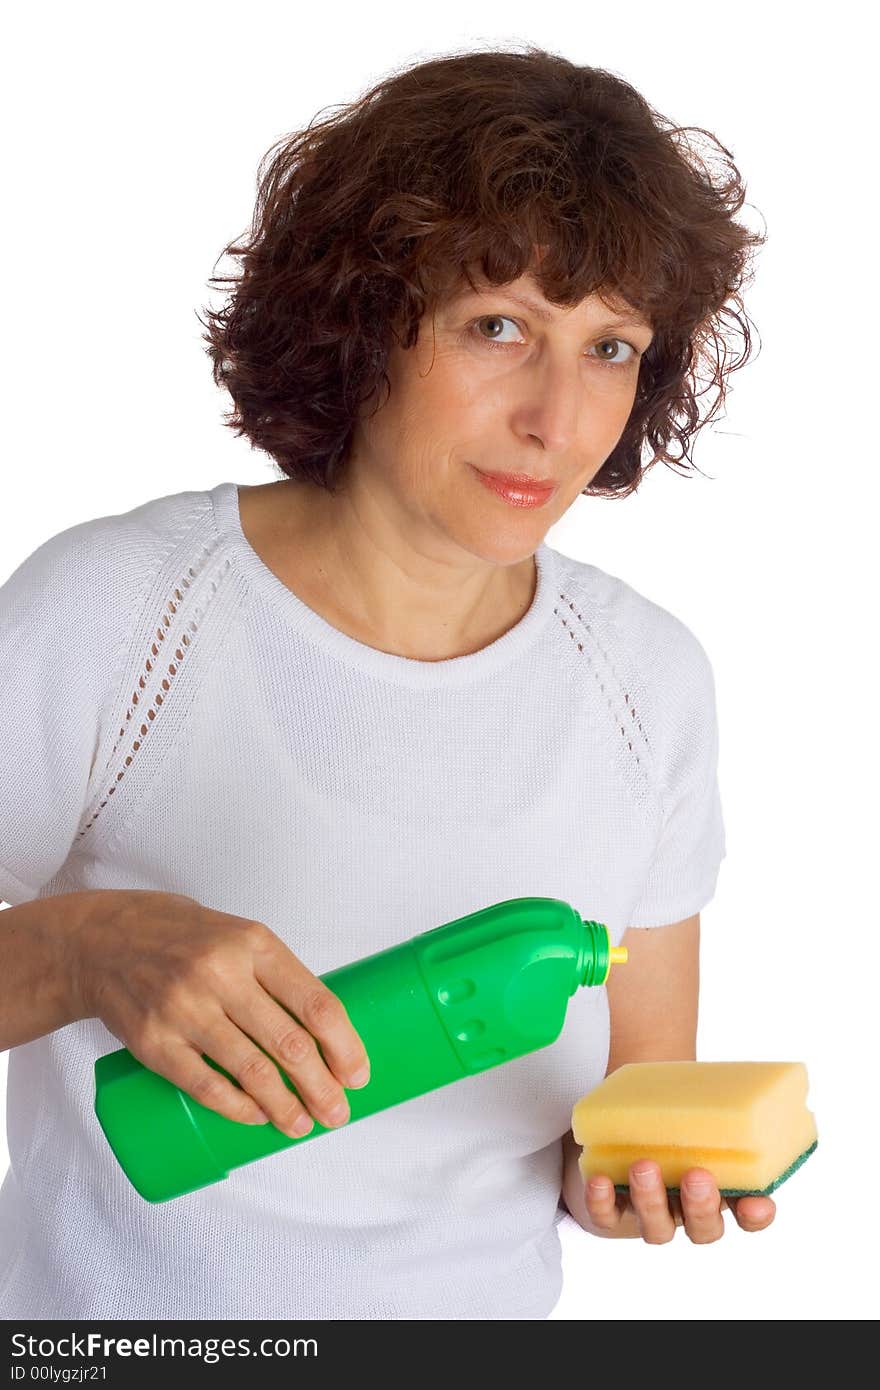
x=544, y=314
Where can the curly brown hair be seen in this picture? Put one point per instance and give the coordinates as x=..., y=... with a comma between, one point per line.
x=365, y=221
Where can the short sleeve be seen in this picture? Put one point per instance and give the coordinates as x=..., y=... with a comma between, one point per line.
x=684, y=870
x=65, y=613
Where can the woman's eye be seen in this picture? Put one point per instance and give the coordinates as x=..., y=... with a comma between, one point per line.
x=492, y=319
x=603, y=357
x=613, y=361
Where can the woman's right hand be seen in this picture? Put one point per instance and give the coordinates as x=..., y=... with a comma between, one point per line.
x=173, y=979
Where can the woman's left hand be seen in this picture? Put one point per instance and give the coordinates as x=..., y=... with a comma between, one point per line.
x=651, y=1212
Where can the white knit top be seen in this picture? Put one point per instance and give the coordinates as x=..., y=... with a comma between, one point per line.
x=275, y=768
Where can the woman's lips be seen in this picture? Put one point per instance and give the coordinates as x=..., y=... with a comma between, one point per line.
x=517, y=494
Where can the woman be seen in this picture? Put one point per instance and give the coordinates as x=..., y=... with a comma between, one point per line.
x=303, y=721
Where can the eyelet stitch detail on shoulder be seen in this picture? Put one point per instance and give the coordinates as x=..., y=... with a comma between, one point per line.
x=630, y=734
x=190, y=627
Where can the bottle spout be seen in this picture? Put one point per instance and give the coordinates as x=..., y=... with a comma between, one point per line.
x=597, y=955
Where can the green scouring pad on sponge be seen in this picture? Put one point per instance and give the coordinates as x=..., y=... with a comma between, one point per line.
x=746, y=1122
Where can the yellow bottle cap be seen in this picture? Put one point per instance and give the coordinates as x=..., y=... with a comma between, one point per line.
x=618, y=955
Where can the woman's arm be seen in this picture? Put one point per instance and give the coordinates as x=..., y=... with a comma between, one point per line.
x=653, y=1002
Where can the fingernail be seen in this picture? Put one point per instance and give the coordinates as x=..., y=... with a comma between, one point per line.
x=643, y=1177
x=339, y=1113
x=699, y=1188
x=303, y=1125
x=360, y=1077
x=259, y=1118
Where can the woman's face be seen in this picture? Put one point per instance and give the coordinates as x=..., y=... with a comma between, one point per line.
x=550, y=400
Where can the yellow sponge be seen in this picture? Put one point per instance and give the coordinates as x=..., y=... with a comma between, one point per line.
x=746, y=1122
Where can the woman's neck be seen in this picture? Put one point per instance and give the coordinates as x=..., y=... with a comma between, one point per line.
x=319, y=549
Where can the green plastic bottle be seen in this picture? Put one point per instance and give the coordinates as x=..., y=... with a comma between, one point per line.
x=450, y=1002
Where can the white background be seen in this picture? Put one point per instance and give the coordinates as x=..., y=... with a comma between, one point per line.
x=132, y=141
